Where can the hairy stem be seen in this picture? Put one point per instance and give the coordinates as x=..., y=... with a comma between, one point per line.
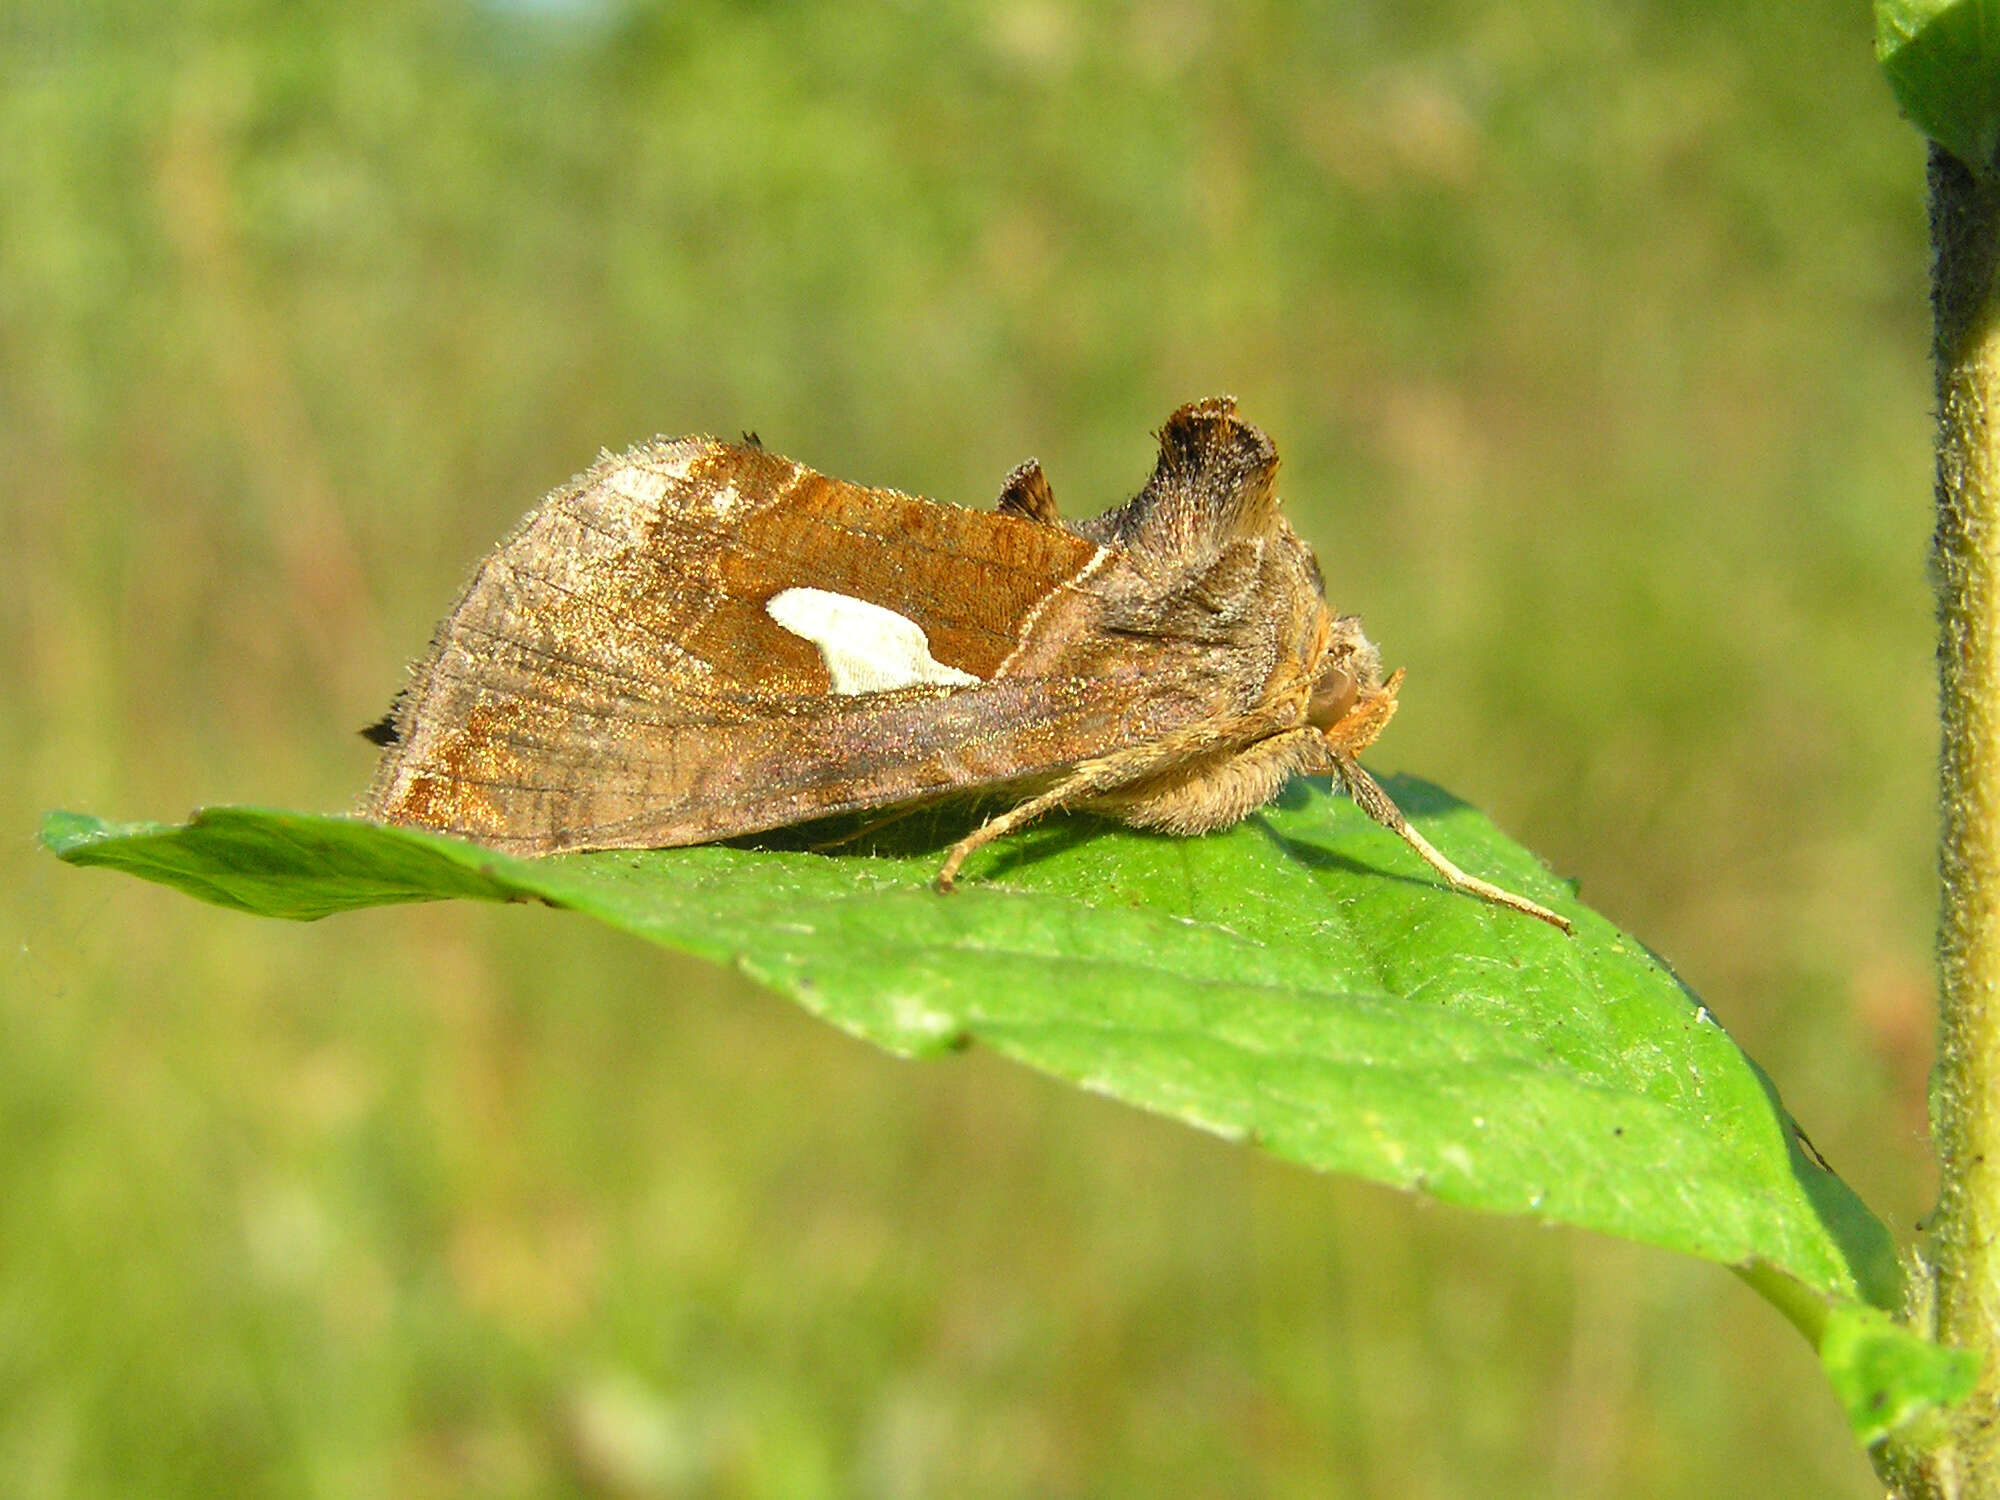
x=1963, y=1248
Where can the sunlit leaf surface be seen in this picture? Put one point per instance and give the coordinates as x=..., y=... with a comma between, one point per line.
x=1299, y=982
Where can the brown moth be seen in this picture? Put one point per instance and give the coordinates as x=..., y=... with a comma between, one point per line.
x=696, y=639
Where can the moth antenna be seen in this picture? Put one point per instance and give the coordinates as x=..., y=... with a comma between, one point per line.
x=1370, y=798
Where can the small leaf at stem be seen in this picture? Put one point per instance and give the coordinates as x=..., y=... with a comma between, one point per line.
x=1942, y=58
x=1886, y=1376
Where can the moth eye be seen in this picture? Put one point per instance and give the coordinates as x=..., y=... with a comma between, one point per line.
x=1333, y=695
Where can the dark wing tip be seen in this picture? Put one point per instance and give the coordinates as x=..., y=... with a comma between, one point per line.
x=1027, y=494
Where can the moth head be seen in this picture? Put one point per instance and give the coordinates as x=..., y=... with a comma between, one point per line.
x=1351, y=703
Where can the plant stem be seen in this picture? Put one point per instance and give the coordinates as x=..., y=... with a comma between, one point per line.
x=1963, y=1247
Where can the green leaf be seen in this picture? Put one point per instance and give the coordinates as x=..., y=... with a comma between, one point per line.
x=1299, y=982
x=1942, y=58
x=1886, y=1376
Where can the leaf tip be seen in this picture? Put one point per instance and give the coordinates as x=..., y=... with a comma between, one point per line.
x=63, y=832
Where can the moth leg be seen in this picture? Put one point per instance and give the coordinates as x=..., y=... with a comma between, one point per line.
x=1370, y=798
x=1119, y=770
x=1088, y=778
x=876, y=825
x=1205, y=792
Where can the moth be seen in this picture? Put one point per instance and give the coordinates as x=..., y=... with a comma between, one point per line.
x=697, y=639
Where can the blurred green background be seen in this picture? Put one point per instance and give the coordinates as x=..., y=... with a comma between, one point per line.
x=1594, y=338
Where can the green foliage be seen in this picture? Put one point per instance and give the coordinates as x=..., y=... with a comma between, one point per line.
x=1943, y=61
x=1591, y=337
x=1295, y=982
x=1886, y=1378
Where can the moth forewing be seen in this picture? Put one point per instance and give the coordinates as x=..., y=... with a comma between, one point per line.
x=696, y=639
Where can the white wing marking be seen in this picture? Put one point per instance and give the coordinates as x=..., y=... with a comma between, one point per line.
x=867, y=649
